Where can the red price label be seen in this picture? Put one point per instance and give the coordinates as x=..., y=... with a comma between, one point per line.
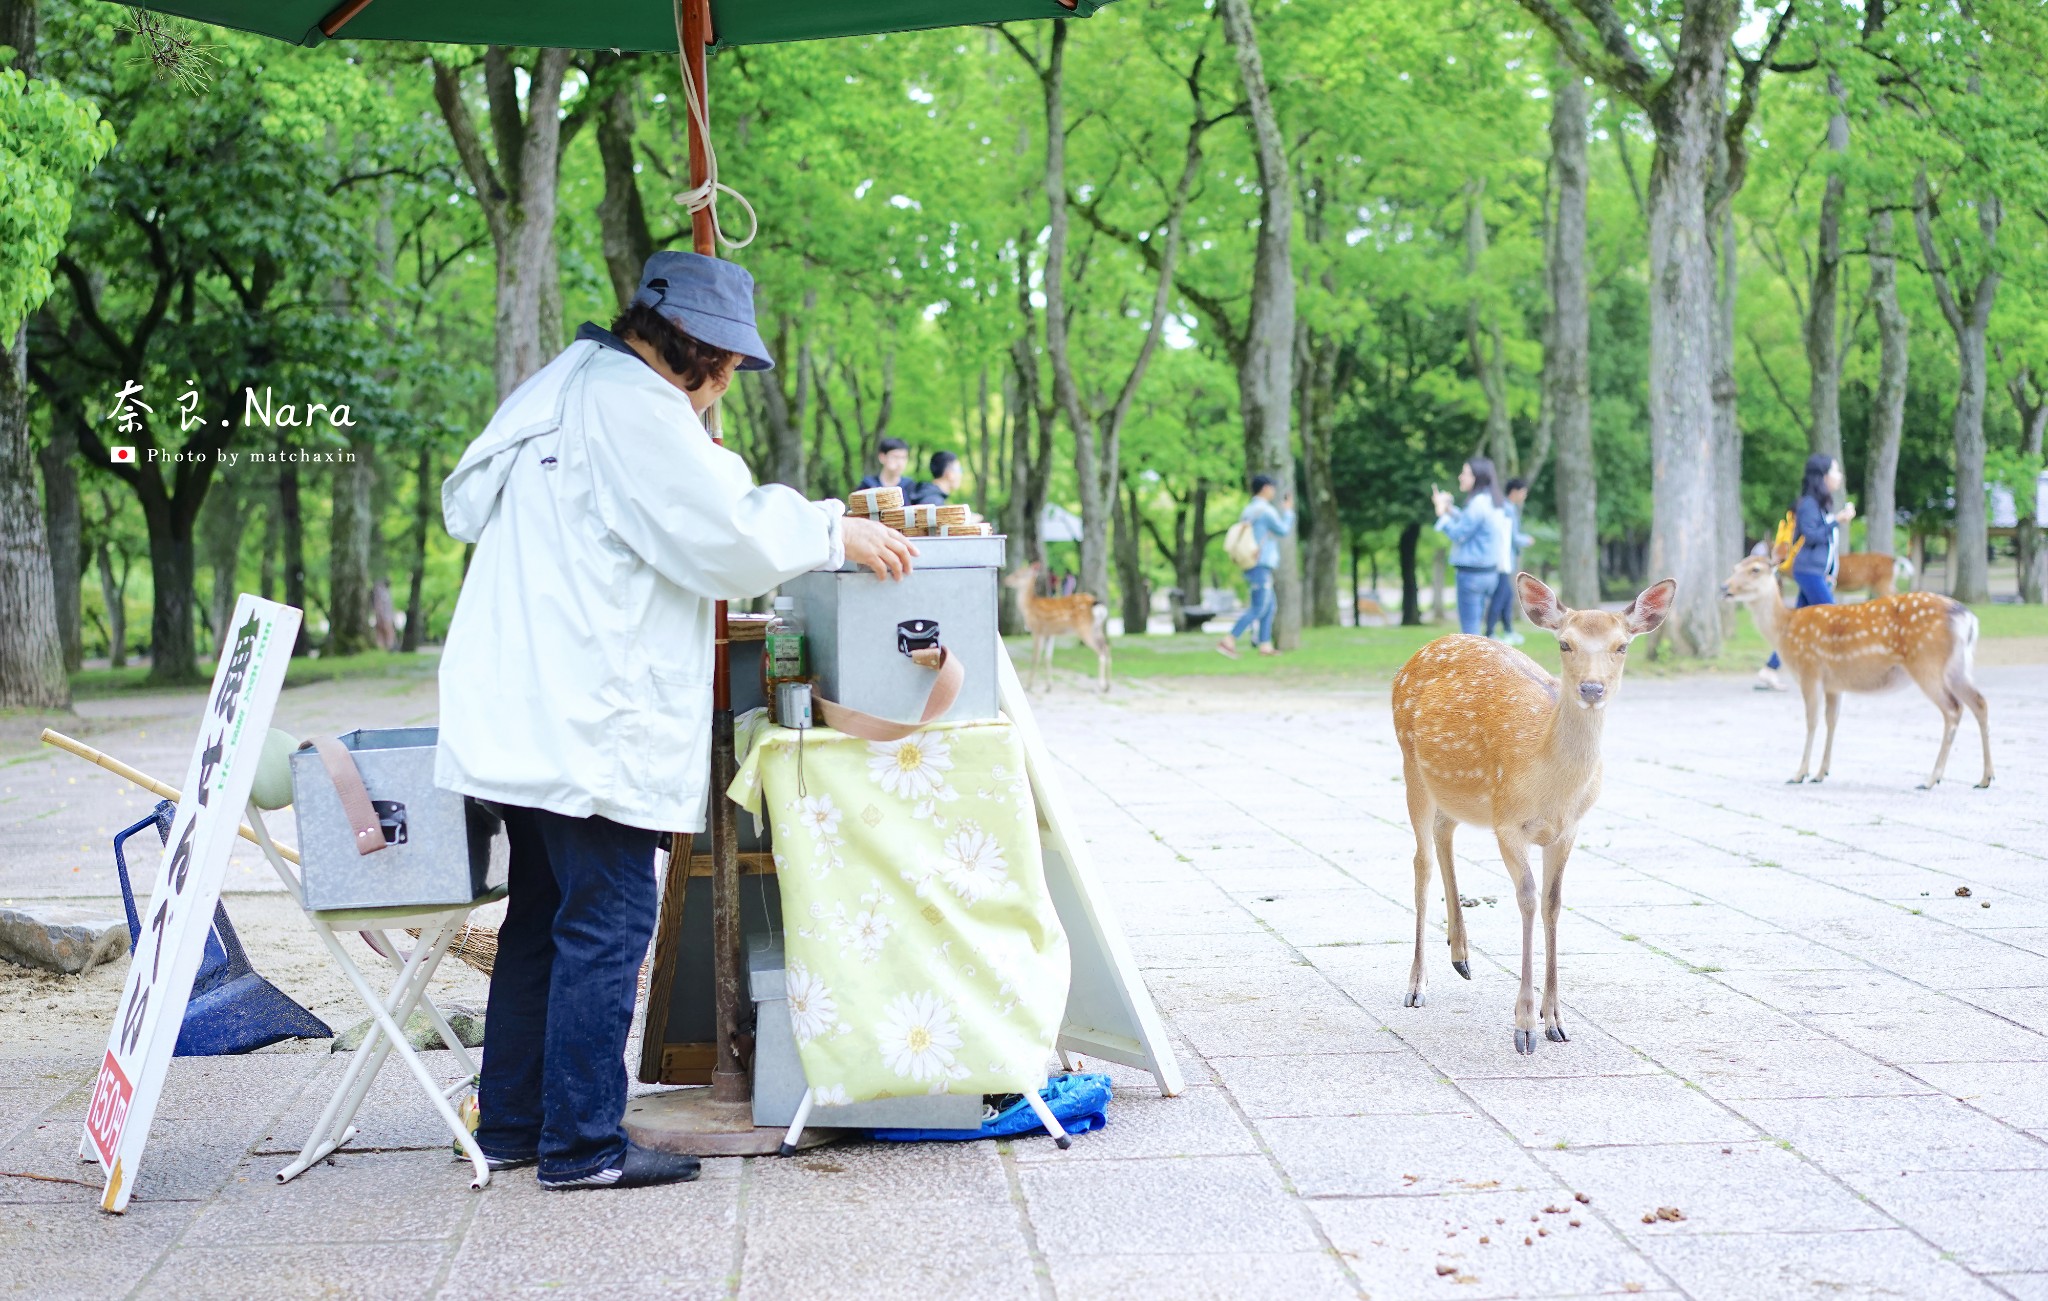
x=109, y=1109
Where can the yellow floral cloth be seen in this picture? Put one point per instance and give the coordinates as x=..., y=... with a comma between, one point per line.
x=923, y=951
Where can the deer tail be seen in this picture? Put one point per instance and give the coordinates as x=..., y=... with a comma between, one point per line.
x=1902, y=568
x=1962, y=656
x=1101, y=613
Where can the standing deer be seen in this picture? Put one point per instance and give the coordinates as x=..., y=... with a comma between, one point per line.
x=1872, y=570
x=1491, y=740
x=1871, y=646
x=1051, y=617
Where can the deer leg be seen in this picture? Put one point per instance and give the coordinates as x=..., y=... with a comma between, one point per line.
x=1041, y=661
x=1421, y=816
x=1101, y=644
x=1515, y=853
x=1809, y=688
x=1827, y=750
x=1460, y=956
x=1967, y=691
x=1554, y=855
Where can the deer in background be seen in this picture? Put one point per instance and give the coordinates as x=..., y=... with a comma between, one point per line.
x=1873, y=570
x=1052, y=617
x=1871, y=646
x=1489, y=739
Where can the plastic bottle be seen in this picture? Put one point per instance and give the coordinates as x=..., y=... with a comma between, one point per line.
x=784, y=658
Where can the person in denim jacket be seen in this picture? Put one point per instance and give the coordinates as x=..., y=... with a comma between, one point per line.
x=1269, y=524
x=1477, y=531
x=1819, y=524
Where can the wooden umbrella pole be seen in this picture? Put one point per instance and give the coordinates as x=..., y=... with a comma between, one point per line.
x=159, y=789
x=730, y=1081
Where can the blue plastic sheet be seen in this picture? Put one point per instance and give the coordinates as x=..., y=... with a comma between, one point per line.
x=1076, y=1101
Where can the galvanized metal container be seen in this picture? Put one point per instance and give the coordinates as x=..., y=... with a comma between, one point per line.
x=437, y=843
x=860, y=628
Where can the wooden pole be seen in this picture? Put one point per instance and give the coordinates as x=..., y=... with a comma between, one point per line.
x=159, y=789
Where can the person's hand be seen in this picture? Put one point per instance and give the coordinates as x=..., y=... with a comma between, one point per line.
x=878, y=547
x=1441, y=499
x=1847, y=513
x=1287, y=502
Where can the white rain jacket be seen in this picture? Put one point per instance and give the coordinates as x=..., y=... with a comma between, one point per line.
x=577, y=673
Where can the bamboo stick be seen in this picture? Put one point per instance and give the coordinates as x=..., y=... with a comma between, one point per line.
x=145, y=781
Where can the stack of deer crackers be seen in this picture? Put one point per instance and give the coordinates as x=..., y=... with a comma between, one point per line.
x=885, y=506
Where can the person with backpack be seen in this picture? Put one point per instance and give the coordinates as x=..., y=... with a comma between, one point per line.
x=1254, y=544
x=1809, y=544
x=1478, y=531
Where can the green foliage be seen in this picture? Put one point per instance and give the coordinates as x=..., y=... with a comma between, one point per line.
x=48, y=140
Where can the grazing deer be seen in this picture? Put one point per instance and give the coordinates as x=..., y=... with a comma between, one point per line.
x=1491, y=740
x=1872, y=571
x=1051, y=617
x=1871, y=646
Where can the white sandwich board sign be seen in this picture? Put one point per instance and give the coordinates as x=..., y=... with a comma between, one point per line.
x=188, y=881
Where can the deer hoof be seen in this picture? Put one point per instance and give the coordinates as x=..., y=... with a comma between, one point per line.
x=1556, y=1034
x=1415, y=999
x=1984, y=785
x=1462, y=968
x=1800, y=780
x=1525, y=1042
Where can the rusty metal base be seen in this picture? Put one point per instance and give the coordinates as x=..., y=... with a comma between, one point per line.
x=690, y=1121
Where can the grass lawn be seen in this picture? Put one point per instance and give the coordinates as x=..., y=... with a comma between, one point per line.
x=99, y=684
x=1335, y=655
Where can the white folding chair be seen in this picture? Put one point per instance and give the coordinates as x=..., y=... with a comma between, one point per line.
x=438, y=926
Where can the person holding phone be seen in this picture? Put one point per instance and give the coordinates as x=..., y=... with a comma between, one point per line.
x=1479, y=531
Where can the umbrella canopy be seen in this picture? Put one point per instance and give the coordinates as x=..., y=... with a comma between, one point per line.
x=615, y=24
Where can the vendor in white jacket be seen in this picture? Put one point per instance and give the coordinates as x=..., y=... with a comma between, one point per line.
x=576, y=683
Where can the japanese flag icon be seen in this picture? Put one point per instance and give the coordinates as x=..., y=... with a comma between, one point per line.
x=124, y=456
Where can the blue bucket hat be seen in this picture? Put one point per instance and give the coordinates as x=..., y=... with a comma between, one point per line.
x=710, y=300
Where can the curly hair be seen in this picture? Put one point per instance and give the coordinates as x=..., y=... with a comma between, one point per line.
x=697, y=362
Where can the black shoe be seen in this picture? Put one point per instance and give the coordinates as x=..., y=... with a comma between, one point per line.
x=636, y=1167
x=498, y=1163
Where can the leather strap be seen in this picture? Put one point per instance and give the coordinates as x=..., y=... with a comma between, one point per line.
x=952, y=674
x=355, y=799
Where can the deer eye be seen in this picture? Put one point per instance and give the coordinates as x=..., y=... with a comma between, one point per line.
x=1621, y=649
x=1564, y=648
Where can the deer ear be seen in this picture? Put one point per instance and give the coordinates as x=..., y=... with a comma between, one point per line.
x=1649, y=608
x=1539, y=602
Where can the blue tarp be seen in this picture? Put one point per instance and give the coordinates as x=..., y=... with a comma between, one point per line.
x=1076, y=1101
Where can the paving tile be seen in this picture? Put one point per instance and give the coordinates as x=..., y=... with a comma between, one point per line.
x=1748, y=1187
x=263, y=1272
x=1175, y=1207
x=2014, y=1092
x=873, y=1173
x=1298, y=1276
x=679, y=1240
x=1200, y=1122
x=74, y=1249
x=1398, y=1245
x=1389, y=1083
x=349, y=1198
x=1877, y=1263
x=1806, y=1067
x=1370, y=1156
x=938, y=1249
x=1558, y=1113
x=1924, y=1132
x=1990, y=1220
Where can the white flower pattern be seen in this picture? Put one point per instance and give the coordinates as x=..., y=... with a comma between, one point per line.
x=917, y=1038
x=811, y=1008
x=915, y=769
x=974, y=865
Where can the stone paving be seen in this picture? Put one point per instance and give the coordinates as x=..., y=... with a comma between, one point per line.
x=1787, y=1027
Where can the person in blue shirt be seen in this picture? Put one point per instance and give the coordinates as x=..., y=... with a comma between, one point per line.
x=1269, y=525
x=1501, y=609
x=945, y=481
x=1477, y=530
x=1817, y=525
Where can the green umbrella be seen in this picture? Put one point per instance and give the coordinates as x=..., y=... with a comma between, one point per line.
x=617, y=24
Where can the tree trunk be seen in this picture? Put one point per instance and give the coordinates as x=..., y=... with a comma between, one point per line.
x=621, y=216
x=1685, y=534
x=291, y=523
x=349, y=581
x=1322, y=527
x=221, y=525
x=1888, y=404
x=1483, y=342
x=31, y=650
x=1968, y=312
x=59, y=460
x=1130, y=565
x=518, y=199
x=784, y=411
x=114, y=595
x=1567, y=379
x=423, y=502
x=1265, y=375
x=1411, y=577
x=1732, y=541
x=173, y=654
x=1823, y=364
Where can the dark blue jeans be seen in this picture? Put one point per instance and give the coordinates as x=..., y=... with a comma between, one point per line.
x=576, y=929
x=1258, y=616
x=1501, y=608
x=1813, y=590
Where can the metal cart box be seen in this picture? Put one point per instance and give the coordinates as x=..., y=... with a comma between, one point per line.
x=437, y=843
x=856, y=624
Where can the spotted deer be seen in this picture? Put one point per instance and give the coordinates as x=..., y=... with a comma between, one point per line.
x=1874, y=645
x=1874, y=571
x=1489, y=739
x=1051, y=617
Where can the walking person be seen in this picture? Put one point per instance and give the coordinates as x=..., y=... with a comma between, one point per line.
x=1816, y=544
x=576, y=682
x=1268, y=524
x=1476, y=531
x=1501, y=609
